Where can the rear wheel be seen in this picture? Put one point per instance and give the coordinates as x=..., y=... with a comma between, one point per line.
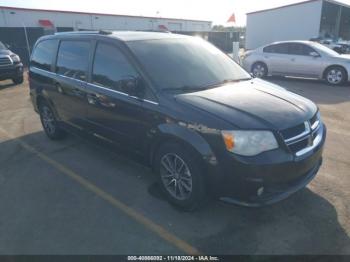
x=180, y=176
x=335, y=75
x=49, y=122
x=259, y=70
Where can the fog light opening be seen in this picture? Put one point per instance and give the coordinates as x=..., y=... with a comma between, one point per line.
x=260, y=191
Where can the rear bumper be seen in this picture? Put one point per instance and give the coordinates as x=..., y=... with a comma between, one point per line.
x=265, y=179
x=10, y=72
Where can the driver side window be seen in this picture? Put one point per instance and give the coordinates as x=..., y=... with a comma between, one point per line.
x=111, y=69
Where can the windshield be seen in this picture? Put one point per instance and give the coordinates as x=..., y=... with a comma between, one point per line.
x=186, y=63
x=326, y=50
x=2, y=46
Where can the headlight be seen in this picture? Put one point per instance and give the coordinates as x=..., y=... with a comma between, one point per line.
x=15, y=58
x=249, y=143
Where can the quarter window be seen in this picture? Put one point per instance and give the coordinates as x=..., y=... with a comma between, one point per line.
x=43, y=54
x=73, y=59
x=111, y=68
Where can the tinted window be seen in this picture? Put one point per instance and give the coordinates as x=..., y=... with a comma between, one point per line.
x=185, y=63
x=73, y=59
x=277, y=49
x=43, y=54
x=269, y=49
x=300, y=49
x=111, y=68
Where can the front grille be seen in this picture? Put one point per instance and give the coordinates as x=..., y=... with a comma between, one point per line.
x=293, y=131
x=5, y=61
x=302, y=136
x=296, y=147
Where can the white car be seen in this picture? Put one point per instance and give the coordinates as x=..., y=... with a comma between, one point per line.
x=299, y=59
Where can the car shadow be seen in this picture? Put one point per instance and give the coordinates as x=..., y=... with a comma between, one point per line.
x=6, y=84
x=305, y=223
x=315, y=90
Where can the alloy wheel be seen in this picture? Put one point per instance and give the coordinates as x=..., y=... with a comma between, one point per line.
x=176, y=176
x=335, y=76
x=48, y=120
x=259, y=71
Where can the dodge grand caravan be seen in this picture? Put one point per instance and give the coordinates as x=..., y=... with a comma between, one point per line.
x=203, y=124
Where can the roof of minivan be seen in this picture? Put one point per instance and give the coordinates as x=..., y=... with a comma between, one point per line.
x=128, y=35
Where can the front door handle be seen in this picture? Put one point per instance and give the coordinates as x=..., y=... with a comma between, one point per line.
x=59, y=88
x=78, y=92
x=92, y=98
x=292, y=59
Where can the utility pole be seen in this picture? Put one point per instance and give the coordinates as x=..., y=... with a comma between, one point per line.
x=27, y=41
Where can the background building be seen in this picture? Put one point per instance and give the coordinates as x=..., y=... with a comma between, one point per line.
x=20, y=27
x=300, y=21
x=66, y=20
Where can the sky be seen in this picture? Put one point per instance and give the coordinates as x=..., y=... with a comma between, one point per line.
x=217, y=11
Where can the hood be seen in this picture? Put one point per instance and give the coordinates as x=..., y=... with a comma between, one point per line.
x=254, y=104
x=345, y=57
x=5, y=52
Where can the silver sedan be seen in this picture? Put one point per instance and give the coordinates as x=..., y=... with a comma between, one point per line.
x=298, y=59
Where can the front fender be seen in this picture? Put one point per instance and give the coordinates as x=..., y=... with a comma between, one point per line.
x=187, y=136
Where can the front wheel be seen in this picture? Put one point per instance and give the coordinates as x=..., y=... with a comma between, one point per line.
x=180, y=176
x=259, y=70
x=335, y=76
x=18, y=80
x=49, y=123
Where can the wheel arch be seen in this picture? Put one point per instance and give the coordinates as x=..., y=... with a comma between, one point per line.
x=181, y=135
x=334, y=65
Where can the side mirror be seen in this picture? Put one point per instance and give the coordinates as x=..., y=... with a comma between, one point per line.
x=133, y=86
x=314, y=54
x=8, y=46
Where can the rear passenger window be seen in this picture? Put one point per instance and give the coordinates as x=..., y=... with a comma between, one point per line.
x=73, y=59
x=43, y=54
x=269, y=49
x=277, y=49
x=111, y=67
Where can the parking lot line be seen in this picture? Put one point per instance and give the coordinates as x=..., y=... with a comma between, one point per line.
x=159, y=230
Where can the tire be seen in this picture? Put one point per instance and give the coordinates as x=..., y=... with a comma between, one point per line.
x=259, y=70
x=335, y=75
x=18, y=80
x=185, y=187
x=49, y=122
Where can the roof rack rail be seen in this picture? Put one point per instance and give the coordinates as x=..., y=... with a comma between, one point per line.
x=101, y=32
x=105, y=32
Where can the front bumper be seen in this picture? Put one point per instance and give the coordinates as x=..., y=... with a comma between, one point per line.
x=265, y=179
x=11, y=71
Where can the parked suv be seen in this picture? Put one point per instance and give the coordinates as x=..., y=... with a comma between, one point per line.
x=11, y=66
x=204, y=125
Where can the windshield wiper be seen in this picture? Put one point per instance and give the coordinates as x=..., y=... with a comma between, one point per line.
x=185, y=88
x=226, y=81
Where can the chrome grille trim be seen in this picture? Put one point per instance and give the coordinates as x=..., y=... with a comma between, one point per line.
x=315, y=125
x=292, y=140
x=315, y=143
x=5, y=60
x=313, y=132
